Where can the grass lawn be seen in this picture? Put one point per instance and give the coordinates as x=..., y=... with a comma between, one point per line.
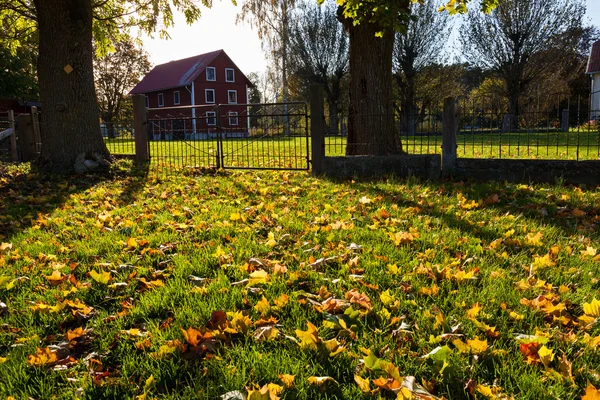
x=197, y=285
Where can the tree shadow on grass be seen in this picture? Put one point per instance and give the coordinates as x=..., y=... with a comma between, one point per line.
x=27, y=193
x=568, y=215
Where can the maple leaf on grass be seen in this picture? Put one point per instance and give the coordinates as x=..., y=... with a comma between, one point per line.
x=43, y=357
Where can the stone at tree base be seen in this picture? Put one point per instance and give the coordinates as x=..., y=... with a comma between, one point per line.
x=91, y=164
x=80, y=166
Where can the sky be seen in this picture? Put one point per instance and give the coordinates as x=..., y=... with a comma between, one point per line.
x=216, y=29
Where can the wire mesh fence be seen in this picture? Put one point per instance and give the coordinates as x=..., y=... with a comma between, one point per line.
x=550, y=127
x=119, y=137
x=237, y=136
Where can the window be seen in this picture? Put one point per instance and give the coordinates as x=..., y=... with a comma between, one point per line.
x=211, y=74
x=232, y=96
x=211, y=118
x=209, y=95
x=229, y=75
x=233, y=118
x=161, y=100
x=147, y=102
x=176, y=97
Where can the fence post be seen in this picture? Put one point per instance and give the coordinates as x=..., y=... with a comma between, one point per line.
x=26, y=137
x=564, y=121
x=317, y=128
x=449, y=137
x=140, y=124
x=13, y=138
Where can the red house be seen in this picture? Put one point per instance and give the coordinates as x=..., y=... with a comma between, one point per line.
x=205, y=81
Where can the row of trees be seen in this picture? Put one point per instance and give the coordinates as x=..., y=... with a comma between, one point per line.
x=363, y=45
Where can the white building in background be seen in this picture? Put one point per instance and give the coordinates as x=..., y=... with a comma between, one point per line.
x=593, y=70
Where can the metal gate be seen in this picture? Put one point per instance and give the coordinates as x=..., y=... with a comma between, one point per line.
x=270, y=136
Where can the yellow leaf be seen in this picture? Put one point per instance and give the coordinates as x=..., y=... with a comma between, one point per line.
x=386, y=298
x=534, y=239
x=405, y=394
x=267, y=392
x=257, y=277
x=282, y=300
x=43, y=357
x=546, y=355
x=589, y=251
x=432, y=291
x=132, y=243
x=271, y=242
x=75, y=333
x=363, y=384
x=3, y=360
x=592, y=309
x=309, y=338
x=461, y=346
x=101, y=277
x=474, y=310
x=287, y=380
x=364, y=200
x=477, y=346
x=56, y=278
x=485, y=391
x=239, y=321
x=5, y=247
x=263, y=306
x=591, y=393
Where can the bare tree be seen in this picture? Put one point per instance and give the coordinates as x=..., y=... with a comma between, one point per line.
x=115, y=74
x=272, y=20
x=319, y=52
x=420, y=46
x=520, y=41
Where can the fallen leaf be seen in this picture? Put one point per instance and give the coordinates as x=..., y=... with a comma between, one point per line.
x=287, y=380
x=102, y=277
x=320, y=380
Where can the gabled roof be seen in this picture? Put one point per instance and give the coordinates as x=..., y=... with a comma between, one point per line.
x=594, y=60
x=177, y=73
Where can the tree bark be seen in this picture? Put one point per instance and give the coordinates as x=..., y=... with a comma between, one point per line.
x=70, y=116
x=371, y=122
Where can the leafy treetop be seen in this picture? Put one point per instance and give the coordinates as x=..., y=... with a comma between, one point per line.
x=395, y=13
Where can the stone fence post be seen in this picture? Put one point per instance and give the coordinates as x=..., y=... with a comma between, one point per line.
x=317, y=128
x=449, y=137
x=13, y=138
x=140, y=124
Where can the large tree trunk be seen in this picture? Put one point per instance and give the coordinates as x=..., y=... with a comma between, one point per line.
x=371, y=122
x=70, y=117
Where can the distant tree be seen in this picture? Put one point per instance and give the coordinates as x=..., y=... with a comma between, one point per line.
x=319, y=53
x=419, y=46
x=18, y=79
x=521, y=41
x=254, y=97
x=272, y=18
x=115, y=74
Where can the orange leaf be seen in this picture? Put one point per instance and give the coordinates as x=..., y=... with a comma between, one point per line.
x=591, y=393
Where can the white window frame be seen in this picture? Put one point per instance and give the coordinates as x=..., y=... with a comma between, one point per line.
x=214, y=70
x=211, y=115
x=161, y=100
x=206, y=96
x=229, y=98
x=232, y=115
x=232, y=74
x=178, y=101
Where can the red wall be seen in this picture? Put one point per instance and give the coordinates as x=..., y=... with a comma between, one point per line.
x=220, y=87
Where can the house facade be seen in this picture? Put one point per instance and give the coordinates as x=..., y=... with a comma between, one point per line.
x=593, y=70
x=182, y=98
